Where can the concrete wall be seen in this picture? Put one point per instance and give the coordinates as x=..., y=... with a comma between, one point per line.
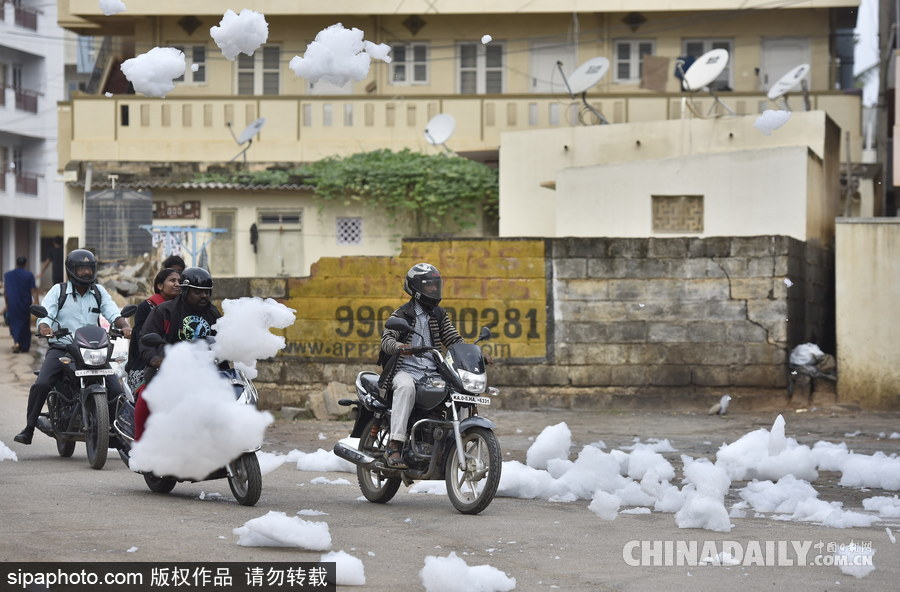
x=867, y=322
x=601, y=173
x=577, y=322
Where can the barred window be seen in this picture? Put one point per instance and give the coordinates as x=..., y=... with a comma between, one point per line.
x=349, y=231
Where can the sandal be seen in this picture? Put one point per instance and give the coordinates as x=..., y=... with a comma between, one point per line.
x=393, y=458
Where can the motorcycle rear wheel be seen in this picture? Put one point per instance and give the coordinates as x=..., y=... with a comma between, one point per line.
x=159, y=484
x=471, y=486
x=246, y=479
x=65, y=448
x=374, y=485
x=96, y=437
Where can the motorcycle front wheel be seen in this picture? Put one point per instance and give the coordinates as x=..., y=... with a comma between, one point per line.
x=245, y=479
x=374, y=485
x=96, y=437
x=471, y=485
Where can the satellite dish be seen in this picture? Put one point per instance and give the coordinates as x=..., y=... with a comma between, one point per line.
x=587, y=75
x=247, y=136
x=584, y=77
x=701, y=74
x=439, y=129
x=704, y=70
x=788, y=82
x=251, y=130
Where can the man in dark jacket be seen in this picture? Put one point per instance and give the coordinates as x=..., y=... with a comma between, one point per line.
x=432, y=327
x=187, y=317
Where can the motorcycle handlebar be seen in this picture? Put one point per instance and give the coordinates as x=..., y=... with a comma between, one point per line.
x=58, y=333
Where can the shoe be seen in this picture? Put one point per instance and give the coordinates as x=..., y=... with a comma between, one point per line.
x=16, y=348
x=393, y=457
x=24, y=437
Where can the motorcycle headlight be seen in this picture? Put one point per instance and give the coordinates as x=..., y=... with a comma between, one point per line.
x=474, y=383
x=94, y=357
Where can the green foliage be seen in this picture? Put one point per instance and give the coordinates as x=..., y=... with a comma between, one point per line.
x=433, y=189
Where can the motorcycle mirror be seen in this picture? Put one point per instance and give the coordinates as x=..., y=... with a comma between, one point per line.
x=128, y=310
x=38, y=311
x=397, y=324
x=484, y=335
x=152, y=340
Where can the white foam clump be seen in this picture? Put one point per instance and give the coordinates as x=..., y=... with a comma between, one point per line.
x=605, y=505
x=887, y=507
x=195, y=426
x=240, y=33
x=762, y=454
x=771, y=120
x=806, y=354
x=795, y=499
x=704, y=503
x=453, y=574
x=6, y=453
x=111, y=7
x=242, y=332
x=349, y=570
x=860, y=560
x=153, y=73
x=554, y=442
x=338, y=55
x=276, y=529
x=876, y=470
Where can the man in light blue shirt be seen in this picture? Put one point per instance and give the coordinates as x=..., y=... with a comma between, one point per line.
x=82, y=305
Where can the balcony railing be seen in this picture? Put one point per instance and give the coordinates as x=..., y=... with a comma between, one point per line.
x=27, y=100
x=303, y=129
x=27, y=183
x=26, y=17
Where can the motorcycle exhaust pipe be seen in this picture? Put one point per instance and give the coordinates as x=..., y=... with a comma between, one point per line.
x=353, y=455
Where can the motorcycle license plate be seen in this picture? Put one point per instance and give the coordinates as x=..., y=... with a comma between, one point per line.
x=470, y=399
x=97, y=372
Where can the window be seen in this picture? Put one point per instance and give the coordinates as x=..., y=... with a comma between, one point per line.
x=480, y=68
x=281, y=218
x=677, y=213
x=194, y=59
x=259, y=74
x=349, y=231
x=410, y=63
x=630, y=58
x=695, y=48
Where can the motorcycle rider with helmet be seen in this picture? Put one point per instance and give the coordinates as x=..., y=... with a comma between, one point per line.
x=187, y=317
x=401, y=369
x=73, y=304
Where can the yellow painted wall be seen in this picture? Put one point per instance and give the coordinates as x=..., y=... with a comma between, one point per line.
x=342, y=306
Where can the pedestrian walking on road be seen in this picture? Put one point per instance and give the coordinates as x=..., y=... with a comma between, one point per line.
x=19, y=294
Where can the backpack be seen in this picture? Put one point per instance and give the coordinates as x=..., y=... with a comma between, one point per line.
x=63, y=295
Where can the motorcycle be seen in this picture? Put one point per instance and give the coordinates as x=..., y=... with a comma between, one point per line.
x=78, y=405
x=447, y=438
x=243, y=473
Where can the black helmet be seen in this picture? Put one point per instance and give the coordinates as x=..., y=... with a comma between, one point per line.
x=196, y=277
x=423, y=282
x=81, y=258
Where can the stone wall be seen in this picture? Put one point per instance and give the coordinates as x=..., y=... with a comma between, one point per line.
x=628, y=322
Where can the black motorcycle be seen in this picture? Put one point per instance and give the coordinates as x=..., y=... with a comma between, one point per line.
x=243, y=473
x=446, y=437
x=78, y=405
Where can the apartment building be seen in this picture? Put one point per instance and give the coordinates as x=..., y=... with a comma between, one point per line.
x=515, y=81
x=31, y=85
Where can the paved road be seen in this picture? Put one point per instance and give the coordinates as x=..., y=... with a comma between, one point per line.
x=61, y=510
